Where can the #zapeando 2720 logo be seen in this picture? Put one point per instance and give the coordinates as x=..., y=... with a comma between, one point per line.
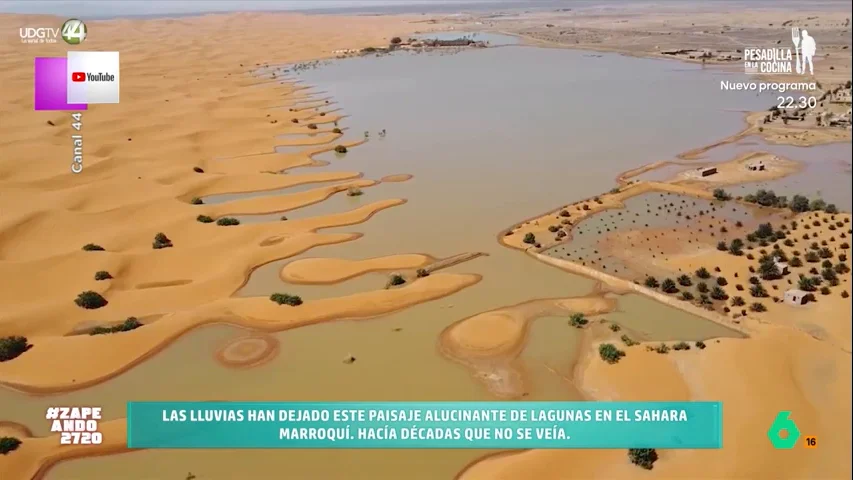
x=73, y=32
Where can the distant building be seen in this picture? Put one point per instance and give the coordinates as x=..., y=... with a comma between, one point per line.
x=783, y=267
x=797, y=297
x=841, y=97
x=708, y=171
x=756, y=167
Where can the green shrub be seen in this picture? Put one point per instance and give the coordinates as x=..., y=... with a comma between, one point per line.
x=628, y=341
x=703, y=273
x=578, y=320
x=341, y=149
x=738, y=301
x=131, y=323
x=702, y=287
x=422, y=272
x=614, y=327
x=643, y=457
x=721, y=281
x=609, y=353
x=721, y=194
x=529, y=238
x=396, y=280
x=161, y=241
x=662, y=348
x=204, y=219
x=681, y=346
x=685, y=295
x=286, y=299
x=831, y=208
x=227, y=221
x=758, y=307
x=90, y=300
x=685, y=281
x=799, y=203
x=102, y=275
x=8, y=444
x=312, y=126
x=795, y=262
x=337, y=130
x=651, y=282
x=700, y=345
x=91, y=247
x=354, y=192
x=721, y=246
x=198, y=170
x=825, y=290
x=11, y=347
x=196, y=201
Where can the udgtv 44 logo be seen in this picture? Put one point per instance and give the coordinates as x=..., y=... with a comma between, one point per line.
x=73, y=32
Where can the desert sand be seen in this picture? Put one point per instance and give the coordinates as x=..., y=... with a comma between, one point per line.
x=249, y=351
x=334, y=270
x=184, y=130
x=794, y=358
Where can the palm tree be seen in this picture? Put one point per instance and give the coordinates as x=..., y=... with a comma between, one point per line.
x=736, y=247
x=806, y=284
x=768, y=269
x=718, y=293
x=668, y=286
x=758, y=290
x=703, y=273
x=684, y=281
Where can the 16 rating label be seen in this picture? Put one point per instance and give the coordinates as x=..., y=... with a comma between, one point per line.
x=76, y=425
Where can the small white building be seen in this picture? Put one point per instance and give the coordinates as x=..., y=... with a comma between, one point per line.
x=796, y=297
x=783, y=267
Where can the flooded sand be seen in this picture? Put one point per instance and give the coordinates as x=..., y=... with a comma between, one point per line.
x=655, y=213
x=483, y=156
x=826, y=172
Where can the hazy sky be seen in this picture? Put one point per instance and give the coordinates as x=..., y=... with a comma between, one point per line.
x=119, y=8
x=107, y=8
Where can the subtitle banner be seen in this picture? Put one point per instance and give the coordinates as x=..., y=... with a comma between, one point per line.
x=483, y=425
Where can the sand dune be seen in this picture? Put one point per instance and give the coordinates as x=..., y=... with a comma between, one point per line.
x=489, y=343
x=755, y=378
x=36, y=455
x=103, y=356
x=195, y=120
x=334, y=270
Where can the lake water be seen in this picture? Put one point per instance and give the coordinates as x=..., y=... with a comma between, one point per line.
x=826, y=170
x=492, y=137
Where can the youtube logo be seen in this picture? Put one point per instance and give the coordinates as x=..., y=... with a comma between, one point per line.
x=92, y=77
